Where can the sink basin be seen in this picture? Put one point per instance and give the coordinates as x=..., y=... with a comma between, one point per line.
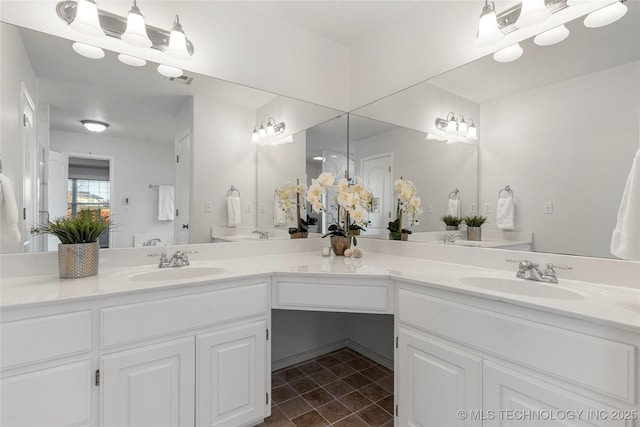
x=178, y=273
x=521, y=287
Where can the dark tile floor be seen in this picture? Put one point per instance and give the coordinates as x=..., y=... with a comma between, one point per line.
x=341, y=388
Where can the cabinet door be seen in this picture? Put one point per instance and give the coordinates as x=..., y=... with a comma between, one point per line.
x=149, y=386
x=513, y=398
x=232, y=375
x=436, y=381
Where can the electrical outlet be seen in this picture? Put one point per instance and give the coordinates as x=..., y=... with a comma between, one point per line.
x=248, y=208
x=472, y=208
x=208, y=207
x=548, y=207
x=487, y=208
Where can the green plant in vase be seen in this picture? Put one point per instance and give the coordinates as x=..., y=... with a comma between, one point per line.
x=409, y=203
x=452, y=222
x=473, y=226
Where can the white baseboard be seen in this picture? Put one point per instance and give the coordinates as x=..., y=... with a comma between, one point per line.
x=327, y=348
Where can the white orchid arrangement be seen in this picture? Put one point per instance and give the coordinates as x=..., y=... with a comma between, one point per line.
x=353, y=200
x=409, y=203
x=290, y=199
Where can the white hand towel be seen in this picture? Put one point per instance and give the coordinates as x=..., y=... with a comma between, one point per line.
x=234, y=212
x=279, y=215
x=8, y=212
x=453, y=208
x=625, y=241
x=166, y=203
x=506, y=213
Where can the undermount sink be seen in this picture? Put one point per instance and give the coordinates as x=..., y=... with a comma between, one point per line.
x=521, y=287
x=177, y=273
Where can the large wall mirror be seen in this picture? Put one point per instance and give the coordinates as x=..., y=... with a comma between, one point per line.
x=560, y=126
x=203, y=122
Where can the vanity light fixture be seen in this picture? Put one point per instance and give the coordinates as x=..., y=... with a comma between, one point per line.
x=532, y=12
x=169, y=71
x=552, y=36
x=269, y=133
x=605, y=16
x=94, y=125
x=136, y=32
x=454, y=130
x=84, y=16
x=131, y=60
x=472, y=132
x=508, y=54
x=488, y=30
x=88, y=51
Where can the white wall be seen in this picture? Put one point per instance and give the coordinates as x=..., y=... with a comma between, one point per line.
x=223, y=155
x=436, y=168
x=14, y=71
x=137, y=164
x=556, y=144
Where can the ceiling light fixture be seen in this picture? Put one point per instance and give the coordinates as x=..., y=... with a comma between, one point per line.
x=605, y=16
x=269, y=133
x=508, y=54
x=136, y=32
x=552, y=36
x=94, y=125
x=88, y=51
x=85, y=16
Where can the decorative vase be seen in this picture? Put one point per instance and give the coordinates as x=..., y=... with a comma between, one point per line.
x=354, y=232
x=299, y=235
x=451, y=227
x=474, y=233
x=339, y=244
x=78, y=260
x=396, y=235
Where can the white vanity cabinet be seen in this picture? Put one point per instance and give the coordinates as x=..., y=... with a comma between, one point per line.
x=468, y=361
x=196, y=355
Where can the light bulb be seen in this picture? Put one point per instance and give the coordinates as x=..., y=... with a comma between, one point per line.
x=462, y=126
x=177, y=42
x=270, y=129
x=488, y=31
x=508, y=54
x=532, y=12
x=472, y=132
x=86, y=20
x=552, y=36
x=136, y=32
x=262, y=132
x=88, y=51
x=168, y=71
x=254, y=135
x=605, y=16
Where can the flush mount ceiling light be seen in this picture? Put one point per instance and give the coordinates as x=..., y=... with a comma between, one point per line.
x=488, y=31
x=552, y=36
x=94, y=125
x=532, y=12
x=605, y=16
x=136, y=32
x=84, y=16
x=168, y=71
x=508, y=54
x=131, y=60
x=269, y=133
x=88, y=51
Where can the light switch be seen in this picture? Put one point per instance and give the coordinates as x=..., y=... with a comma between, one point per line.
x=472, y=208
x=487, y=208
x=262, y=208
x=430, y=208
x=548, y=207
x=208, y=207
x=248, y=208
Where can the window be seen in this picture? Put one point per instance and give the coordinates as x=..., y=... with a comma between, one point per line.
x=90, y=194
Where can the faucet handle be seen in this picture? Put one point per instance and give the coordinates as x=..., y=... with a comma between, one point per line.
x=551, y=272
x=162, y=254
x=523, y=263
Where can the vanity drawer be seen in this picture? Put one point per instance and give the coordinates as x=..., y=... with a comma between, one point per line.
x=366, y=296
x=43, y=338
x=605, y=366
x=132, y=322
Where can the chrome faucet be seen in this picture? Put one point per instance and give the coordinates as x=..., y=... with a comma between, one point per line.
x=529, y=271
x=152, y=242
x=263, y=234
x=178, y=259
x=450, y=238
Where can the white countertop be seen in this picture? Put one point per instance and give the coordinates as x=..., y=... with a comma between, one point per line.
x=609, y=305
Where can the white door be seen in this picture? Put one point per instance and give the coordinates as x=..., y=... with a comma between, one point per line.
x=232, y=375
x=57, y=191
x=151, y=386
x=29, y=212
x=183, y=185
x=435, y=382
x=376, y=173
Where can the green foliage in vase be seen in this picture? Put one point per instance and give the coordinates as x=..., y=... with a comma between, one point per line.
x=451, y=220
x=394, y=227
x=86, y=227
x=475, y=221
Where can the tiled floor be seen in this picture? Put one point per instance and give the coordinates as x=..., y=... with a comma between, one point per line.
x=341, y=388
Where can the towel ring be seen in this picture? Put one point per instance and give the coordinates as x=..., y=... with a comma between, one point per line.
x=507, y=189
x=455, y=193
x=233, y=190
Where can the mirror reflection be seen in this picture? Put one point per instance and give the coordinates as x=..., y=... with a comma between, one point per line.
x=560, y=126
x=163, y=166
